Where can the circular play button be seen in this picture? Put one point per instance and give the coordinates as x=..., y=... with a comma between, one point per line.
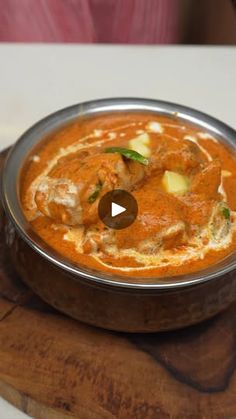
x=117, y=209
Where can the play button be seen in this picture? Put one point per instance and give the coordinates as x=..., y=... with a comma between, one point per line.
x=118, y=209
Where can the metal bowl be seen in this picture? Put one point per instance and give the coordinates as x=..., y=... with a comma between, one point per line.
x=112, y=301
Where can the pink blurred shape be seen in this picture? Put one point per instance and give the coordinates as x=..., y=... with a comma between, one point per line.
x=83, y=21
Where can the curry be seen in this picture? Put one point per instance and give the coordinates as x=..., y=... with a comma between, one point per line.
x=181, y=177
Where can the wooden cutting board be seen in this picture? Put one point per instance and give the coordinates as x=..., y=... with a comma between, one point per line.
x=53, y=367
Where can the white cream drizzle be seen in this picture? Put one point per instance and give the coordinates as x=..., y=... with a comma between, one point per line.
x=221, y=189
x=155, y=126
x=112, y=135
x=206, y=136
x=97, y=132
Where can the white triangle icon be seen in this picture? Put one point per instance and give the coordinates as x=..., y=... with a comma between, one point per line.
x=116, y=209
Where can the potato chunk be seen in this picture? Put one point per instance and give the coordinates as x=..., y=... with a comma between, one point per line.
x=175, y=183
x=140, y=144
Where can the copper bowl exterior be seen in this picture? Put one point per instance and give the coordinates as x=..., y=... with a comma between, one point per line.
x=101, y=300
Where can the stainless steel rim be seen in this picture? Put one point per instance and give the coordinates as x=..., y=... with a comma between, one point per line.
x=19, y=152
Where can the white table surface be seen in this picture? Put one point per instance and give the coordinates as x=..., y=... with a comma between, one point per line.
x=38, y=79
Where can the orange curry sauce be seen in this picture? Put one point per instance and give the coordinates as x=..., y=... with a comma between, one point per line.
x=174, y=233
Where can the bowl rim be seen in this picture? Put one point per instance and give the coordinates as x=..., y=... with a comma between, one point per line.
x=36, y=133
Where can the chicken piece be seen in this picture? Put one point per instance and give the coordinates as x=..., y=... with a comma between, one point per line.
x=69, y=193
x=207, y=181
x=159, y=224
x=136, y=173
x=59, y=200
x=196, y=209
x=167, y=238
x=180, y=156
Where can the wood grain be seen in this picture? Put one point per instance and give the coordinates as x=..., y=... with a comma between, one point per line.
x=54, y=367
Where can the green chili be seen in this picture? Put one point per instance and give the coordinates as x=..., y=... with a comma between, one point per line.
x=226, y=213
x=129, y=154
x=92, y=198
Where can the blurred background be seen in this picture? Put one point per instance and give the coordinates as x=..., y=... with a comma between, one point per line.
x=119, y=21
